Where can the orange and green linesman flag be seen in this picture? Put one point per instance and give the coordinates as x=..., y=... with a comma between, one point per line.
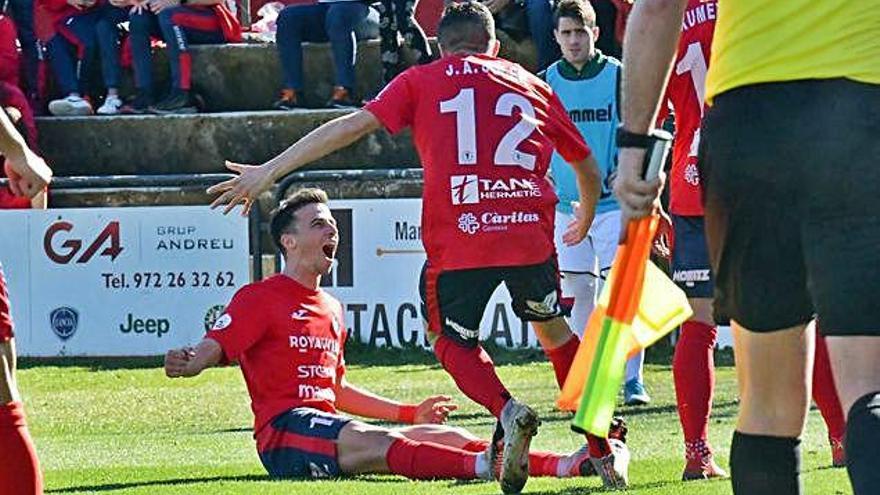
x=638, y=305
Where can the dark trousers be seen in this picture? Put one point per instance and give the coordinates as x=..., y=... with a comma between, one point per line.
x=22, y=12
x=179, y=27
x=334, y=22
x=73, y=47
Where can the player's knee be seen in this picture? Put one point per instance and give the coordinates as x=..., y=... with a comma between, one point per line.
x=779, y=414
x=8, y=392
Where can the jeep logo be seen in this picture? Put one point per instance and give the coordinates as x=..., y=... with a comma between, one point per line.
x=158, y=326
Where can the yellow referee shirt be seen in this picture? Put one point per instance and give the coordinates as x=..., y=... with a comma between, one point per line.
x=759, y=41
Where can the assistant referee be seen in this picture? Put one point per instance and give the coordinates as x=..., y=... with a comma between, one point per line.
x=790, y=157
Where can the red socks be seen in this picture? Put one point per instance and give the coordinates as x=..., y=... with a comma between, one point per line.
x=693, y=368
x=474, y=373
x=562, y=357
x=825, y=393
x=20, y=470
x=540, y=463
x=426, y=460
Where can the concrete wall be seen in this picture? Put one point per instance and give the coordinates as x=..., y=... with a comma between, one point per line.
x=200, y=143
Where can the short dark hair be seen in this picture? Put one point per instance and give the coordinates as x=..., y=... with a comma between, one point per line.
x=466, y=26
x=284, y=217
x=579, y=10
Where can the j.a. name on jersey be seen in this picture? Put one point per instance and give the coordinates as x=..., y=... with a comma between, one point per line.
x=705, y=12
x=462, y=67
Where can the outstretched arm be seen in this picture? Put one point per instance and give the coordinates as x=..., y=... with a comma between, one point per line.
x=190, y=361
x=589, y=187
x=355, y=400
x=28, y=173
x=253, y=180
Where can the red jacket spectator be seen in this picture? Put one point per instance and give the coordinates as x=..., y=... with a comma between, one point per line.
x=9, y=61
x=12, y=97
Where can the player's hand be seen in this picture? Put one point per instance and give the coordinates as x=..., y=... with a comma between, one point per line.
x=177, y=362
x=664, y=239
x=28, y=174
x=638, y=198
x=496, y=6
x=434, y=410
x=138, y=7
x=244, y=189
x=576, y=231
x=157, y=6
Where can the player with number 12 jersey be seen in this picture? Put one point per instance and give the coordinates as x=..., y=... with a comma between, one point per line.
x=485, y=129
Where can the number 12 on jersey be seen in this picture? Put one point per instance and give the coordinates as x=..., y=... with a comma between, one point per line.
x=506, y=152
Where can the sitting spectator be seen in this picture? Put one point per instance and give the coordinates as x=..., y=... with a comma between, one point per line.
x=539, y=17
x=332, y=20
x=398, y=16
x=79, y=27
x=22, y=14
x=180, y=23
x=16, y=106
x=9, y=59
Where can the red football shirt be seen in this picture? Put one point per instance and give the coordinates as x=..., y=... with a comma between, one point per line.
x=5, y=312
x=686, y=94
x=288, y=340
x=485, y=129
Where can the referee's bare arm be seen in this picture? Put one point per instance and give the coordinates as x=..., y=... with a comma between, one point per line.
x=648, y=51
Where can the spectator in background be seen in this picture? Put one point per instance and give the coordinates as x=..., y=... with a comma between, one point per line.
x=398, y=16
x=22, y=13
x=611, y=16
x=180, y=23
x=79, y=27
x=9, y=58
x=324, y=20
x=539, y=17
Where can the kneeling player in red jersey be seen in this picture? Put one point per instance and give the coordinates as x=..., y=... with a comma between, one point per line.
x=288, y=336
x=484, y=129
x=19, y=469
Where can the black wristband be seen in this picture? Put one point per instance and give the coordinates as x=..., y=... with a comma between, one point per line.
x=627, y=139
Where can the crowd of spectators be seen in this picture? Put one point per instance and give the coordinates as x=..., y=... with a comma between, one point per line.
x=67, y=57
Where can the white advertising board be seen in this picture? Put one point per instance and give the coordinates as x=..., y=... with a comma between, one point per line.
x=376, y=277
x=119, y=281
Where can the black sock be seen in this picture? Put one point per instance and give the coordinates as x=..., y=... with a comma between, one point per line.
x=764, y=465
x=863, y=444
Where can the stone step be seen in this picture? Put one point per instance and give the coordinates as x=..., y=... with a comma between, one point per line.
x=190, y=144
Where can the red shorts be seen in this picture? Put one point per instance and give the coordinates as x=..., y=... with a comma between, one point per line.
x=5, y=313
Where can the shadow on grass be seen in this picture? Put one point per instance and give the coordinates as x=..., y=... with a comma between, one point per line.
x=210, y=479
x=174, y=482
x=580, y=490
x=360, y=354
x=93, y=363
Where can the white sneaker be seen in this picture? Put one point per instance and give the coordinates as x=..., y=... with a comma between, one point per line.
x=614, y=467
x=520, y=424
x=70, y=106
x=111, y=105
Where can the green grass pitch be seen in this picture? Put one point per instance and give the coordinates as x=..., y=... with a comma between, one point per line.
x=121, y=427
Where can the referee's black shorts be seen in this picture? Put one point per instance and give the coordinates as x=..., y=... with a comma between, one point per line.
x=792, y=193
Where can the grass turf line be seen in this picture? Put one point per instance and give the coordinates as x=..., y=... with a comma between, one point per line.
x=121, y=427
